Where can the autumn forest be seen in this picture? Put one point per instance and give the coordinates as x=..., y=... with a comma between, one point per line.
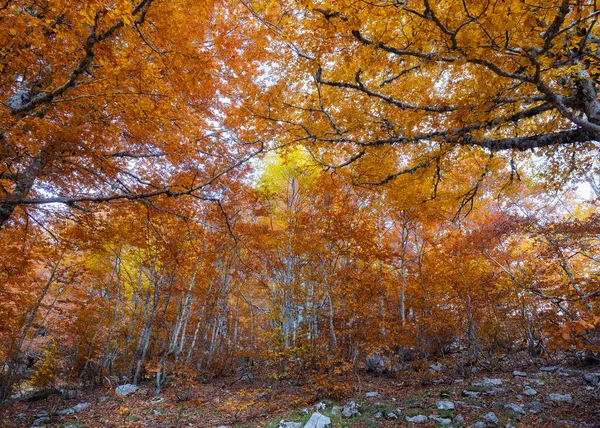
x=308, y=199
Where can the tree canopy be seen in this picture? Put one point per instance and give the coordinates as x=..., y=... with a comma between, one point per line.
x=193, y=186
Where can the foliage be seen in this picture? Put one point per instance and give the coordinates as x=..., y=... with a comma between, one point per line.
x=190, y=189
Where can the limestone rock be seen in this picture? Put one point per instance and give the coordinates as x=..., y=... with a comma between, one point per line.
x=416, y=419
x=562, y=398
x=318, y=420
x=445, y=405
x=593, y=378
x=125, y=390
x=491, y=418
x=350, y=410
x=514, y=408
x=78, y=408
x=284, y=424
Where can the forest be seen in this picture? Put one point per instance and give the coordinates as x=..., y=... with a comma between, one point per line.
x=299, y=213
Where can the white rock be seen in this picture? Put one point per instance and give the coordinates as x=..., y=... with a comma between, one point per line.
x=350, y=410
x=519, y=374
x=371, y=394
x=320, y=406
x=436, y=367
x=514, y=408
x=442, y=421
x=548, y=369
x=488, y=383
x=534, y=407
x=564, y=398
x=445, y=405
x=284, y=424
x=318, y=420
x=125, y=390
x=593, y=378
x=479, y=424
x=416, y=419
x=530, y=392
x=459, y=419
x=391, y=415
x=491, y=418
x=78, y=408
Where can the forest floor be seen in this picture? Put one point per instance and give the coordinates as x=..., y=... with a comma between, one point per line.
x=514, y=399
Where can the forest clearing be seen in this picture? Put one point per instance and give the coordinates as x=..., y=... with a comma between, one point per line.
x=299, y=213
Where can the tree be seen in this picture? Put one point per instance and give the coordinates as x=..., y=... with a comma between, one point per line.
x=429, y=83
x=106, y=100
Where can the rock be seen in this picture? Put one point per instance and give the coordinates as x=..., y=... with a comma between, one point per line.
x=335, y=410
x=479, y=424
x=514, y=408
x=318, y=420
x=371, y=394
x=377, y=363
x=517, y=373
x=519, y=397
x=247, y=377
x=69, y=394
x=78, y=408
x=459, y=419
x=437, y=367
x=572, y=372
x=494, y=391
x=534, y=407
x=445, y=405
x=442, y=421
x=590, y=388
x=72, y=426
x=125, y=390
x=350, y=410
x=593, y=378
x=378, y=415
x=391, y=415
x=416, y=419
x=39, y=422
x=157, y=400
x=530, y=392
x=488, y=383
x=563, y=398
x=305, y=411
x=320, y=406
x=539, y=382
x=491, y=418
x=284, y=424
x=548, y=369
x=471, y=394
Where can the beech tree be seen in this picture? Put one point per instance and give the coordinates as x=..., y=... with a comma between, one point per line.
x=107, y=100
x=304, y=188
x=434, y=81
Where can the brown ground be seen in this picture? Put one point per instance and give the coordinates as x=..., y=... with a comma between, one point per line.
x=228, y=402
